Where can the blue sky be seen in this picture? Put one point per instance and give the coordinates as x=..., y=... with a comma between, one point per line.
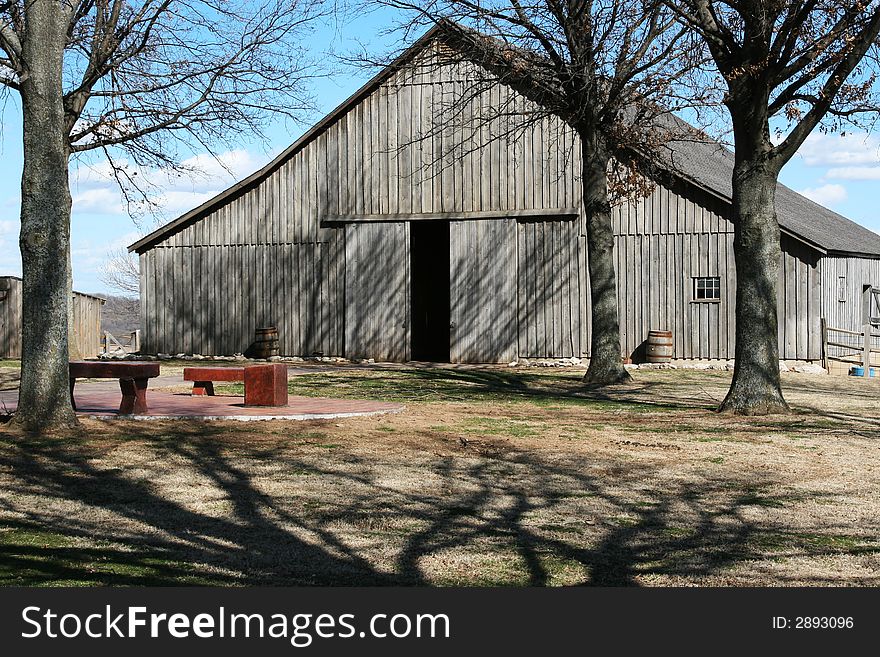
x=842, y=173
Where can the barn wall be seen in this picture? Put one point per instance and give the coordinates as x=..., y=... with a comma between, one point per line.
x=85, y=342
x=320, y=246
x=799, y=309
x=855, y=272
x=552, y=290
x=377, y=308
x=398, y=152
x=210, y=299
x=665, y=241
x=662, y=242
x=483, y=291
x=10, y=317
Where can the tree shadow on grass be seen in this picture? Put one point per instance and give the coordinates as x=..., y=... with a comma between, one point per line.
x=160, y=528
x=274, y=515
x=491, y=384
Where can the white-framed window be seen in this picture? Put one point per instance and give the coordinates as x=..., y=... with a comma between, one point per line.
x=841, y=288
x=707, y=288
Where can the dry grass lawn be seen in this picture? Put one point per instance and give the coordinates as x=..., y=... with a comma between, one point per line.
x=489, y=477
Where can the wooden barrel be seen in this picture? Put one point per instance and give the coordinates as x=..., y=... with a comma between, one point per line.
x=266, y=342
x=659, y=347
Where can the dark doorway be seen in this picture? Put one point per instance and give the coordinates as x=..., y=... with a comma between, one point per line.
x=429, y=267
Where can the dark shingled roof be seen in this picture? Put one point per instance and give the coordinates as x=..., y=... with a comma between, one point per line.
x=709, y=164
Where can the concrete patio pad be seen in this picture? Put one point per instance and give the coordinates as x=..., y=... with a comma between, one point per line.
x=101, y=401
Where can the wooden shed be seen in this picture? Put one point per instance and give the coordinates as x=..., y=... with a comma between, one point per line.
x=391, y=231
x=86, y=310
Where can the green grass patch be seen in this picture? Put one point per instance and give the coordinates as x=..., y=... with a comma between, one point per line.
x=490, y=426
x=814, y=542
x=500, y=427
x=35, y=557
x=553, y=391
x=753, y=499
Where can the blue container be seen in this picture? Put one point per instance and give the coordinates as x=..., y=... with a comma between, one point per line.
x=860, y=371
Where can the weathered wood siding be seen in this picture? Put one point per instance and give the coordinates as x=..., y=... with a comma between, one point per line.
x=552, y=290
x=399, y=152
x=799, y=309
x=483, y=291
x=210, y=300
x=667, y=240
x=85, y=340
x=662, y=243
x=377, y=309
x=10, y=317
x=318, y=246
x=855, y=273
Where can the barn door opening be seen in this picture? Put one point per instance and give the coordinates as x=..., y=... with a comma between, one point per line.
x=429, y=269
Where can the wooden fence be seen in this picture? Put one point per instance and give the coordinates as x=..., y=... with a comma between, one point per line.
x=85, y=309
x=128, y=343
x=855, y=347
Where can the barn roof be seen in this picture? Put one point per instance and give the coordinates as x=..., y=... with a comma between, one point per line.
x=702, y=162
x=709, y=165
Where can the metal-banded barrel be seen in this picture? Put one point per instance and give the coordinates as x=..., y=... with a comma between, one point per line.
x=660, y=347
x=266, y=342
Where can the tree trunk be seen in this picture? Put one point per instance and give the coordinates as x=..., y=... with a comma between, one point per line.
x=606, y=363
x=756, y=386
x=44, y=397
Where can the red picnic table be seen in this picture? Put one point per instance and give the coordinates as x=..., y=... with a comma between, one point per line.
x=133, y=380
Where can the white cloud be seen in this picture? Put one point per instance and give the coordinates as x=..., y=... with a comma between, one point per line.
x=827, y=195
x=854, y=173
x=833, y=150
x=99, y=200
x=173, y=192
x=176, y=202
x=10, y=261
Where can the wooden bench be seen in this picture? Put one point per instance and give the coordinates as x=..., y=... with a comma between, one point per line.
x=264, y=385
x=203, y=377
x=133, y=380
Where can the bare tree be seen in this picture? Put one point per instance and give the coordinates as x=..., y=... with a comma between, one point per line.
x=143, y=78
x=791, y=65
x=121, y=272
x=602, y=66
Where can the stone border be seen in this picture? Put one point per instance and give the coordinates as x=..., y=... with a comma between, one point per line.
x=247, y=418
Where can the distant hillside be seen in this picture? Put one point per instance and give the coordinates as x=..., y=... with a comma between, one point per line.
x=120, y=315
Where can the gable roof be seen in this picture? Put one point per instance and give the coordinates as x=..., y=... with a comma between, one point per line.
x=703, y=162
x=709, y=165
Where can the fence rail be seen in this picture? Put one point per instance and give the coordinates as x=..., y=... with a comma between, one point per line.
x=856, y=347
x=130, y=343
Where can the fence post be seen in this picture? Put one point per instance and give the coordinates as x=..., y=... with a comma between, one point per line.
x=107, y=342
x=136, y=336
x=823, y=328
x=866, y=328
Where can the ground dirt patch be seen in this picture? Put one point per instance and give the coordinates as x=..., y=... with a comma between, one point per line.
x=490, y=477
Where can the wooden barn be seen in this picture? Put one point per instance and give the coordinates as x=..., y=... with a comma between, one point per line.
x=392, y=231
x=86, y=310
